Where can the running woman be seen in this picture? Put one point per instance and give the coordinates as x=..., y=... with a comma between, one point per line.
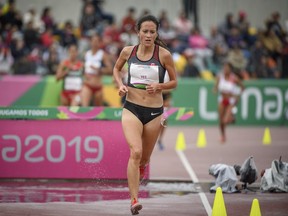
x=97, y=63
x=71, y=71
x=229, y=86
x=143, y=108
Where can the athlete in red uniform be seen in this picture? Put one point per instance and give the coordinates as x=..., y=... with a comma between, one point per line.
x=71, y=71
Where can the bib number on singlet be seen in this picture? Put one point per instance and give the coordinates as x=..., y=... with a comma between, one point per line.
x=73, y=83
x=142, y=75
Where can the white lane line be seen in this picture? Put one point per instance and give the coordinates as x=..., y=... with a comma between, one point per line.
x=194, y=178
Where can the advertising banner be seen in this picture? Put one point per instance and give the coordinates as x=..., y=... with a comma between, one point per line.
x=67, y=142
x=263, y=102
x=62, y=149
x=84, y=113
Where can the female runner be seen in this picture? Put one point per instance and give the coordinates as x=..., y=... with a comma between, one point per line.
x=97, y=63
x=143, y=108
x=71, y=71
x=229, y=86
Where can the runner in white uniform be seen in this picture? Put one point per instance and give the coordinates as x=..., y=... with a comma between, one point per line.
x=229, y=87
x=97, y=63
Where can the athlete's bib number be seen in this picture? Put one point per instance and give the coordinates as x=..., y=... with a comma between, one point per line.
x=144, y=74
x=73, y=83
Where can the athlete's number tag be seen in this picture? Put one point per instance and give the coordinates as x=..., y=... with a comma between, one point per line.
x=144, y=74
x=73, y=83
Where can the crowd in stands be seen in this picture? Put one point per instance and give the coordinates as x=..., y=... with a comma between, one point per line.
x=33, y=43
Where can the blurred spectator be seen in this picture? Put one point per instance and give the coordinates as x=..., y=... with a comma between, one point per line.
x=21, y=64
x=144, y=12
x=163, y=17
x=31, y=16
x=272, y=43
x=242, y=22
x=272, y=68
x=267, y=68
x=11, y=16
x=215, y=63
x=51, y=59
x=31, y=36
x=67, y=36
x=90, y=22
x=128, y=34
x=261, y=64
x=285, y=58
x=129, y=38
x=11, y=33
x=266, y=53
x=47, y=38
x=237, y=59
x=180, y=62
x=190, y=69
x=235, y=38
x=217, y=40
x=18, y=20
x=251, y=36
x=166, y=33
x=129, y=21
x=274, y=24
x=257, y=60
x=47, y=18
x=112, y=33
x=35, y=59
x=197, y=40
x=226, y=26
x=245, y=30
x=182, y=26
x=6, y=59
x=99, y=10
x=217, y=44
x=200, y=46
x=1, y=21
x=18, y=49
x=111, y=40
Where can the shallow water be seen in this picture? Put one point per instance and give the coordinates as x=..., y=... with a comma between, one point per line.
x=28, y=191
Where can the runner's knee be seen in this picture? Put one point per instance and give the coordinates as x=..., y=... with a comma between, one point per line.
x=136, y=154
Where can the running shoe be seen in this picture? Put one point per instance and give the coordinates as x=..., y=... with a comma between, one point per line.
x=135, y=207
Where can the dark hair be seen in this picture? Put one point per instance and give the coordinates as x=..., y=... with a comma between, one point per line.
x=45, y=11
x=153, y=19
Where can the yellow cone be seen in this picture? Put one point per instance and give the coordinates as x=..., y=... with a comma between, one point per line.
x=180, y=144
x=201, y=140
x=266, y=137
x=219, y=208
x=255, y=208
